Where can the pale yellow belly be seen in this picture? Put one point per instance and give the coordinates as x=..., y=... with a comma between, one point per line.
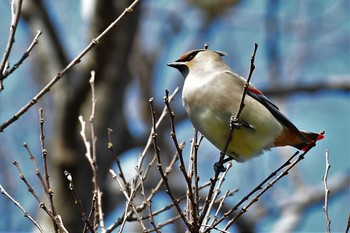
x=246, y=142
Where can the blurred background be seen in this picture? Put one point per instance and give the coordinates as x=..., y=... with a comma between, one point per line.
x=302, y=65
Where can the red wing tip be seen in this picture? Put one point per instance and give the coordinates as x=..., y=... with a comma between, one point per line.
x=256, y=91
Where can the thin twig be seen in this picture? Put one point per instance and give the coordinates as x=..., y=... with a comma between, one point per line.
x=60, y=74
x=190, y=174
x=24, y=56
x=258, y=187
x=160, y=119
x=78, y=201
x=325, y=207
x=127, y=216
x=161, y=225
x=121, y=185
x=43, y=183
x=148, y=203
x=116, y=158
x=160, y=168
x=37, y=171
x=168, y=169
x=91, y=157
x=14, y=23
x=287, y=165
x=216, y=193
x=194, y=213
x=97, y=190
x=169, y=206
x=130, y=203
x=47, y=186
x=269, y=185
x=221, y=201
x=36, y=223
x=41, y=203
x=85, y=140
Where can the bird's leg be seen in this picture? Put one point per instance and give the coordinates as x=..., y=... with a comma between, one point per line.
x=235, y=123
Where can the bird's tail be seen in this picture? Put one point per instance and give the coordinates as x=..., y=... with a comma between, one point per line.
x=298, y=139
x=311, y=139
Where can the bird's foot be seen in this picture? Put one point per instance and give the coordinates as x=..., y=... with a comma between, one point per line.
x=219, y=166
x=235, y=123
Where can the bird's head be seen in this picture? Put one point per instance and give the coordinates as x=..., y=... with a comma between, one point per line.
x=194, y=59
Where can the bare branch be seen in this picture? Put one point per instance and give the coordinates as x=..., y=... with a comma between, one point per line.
x=215, y=195
x=41, y=203
x=160, y=169
x=37, y=171
x=325, y=207
x=46, y=185
x=91, y=156
x=24, y=56
x=189, y=190
x=14, y=22
x=60, y=74
x=148, y=203
x=116, y=158
x=270, y=184
x=161, y=118
x=127, y=216
x=78, y=201
x=97, y=190
x=36, y=224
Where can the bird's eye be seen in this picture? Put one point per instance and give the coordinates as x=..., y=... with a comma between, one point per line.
x=190, y=56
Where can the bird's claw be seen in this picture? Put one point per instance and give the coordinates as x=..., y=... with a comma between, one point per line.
x=235, y=123
x=219, y=167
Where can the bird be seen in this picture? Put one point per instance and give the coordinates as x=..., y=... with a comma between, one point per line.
x=211, y=95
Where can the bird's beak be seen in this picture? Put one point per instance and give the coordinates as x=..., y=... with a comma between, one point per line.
x=180, y=66
x=175, y=64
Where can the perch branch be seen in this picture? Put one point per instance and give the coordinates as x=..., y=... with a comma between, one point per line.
x=234, y=120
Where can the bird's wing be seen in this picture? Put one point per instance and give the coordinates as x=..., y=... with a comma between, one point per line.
x=261, y=98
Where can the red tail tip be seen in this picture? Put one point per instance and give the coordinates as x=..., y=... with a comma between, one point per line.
x=320, y=136
x=312, y=143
